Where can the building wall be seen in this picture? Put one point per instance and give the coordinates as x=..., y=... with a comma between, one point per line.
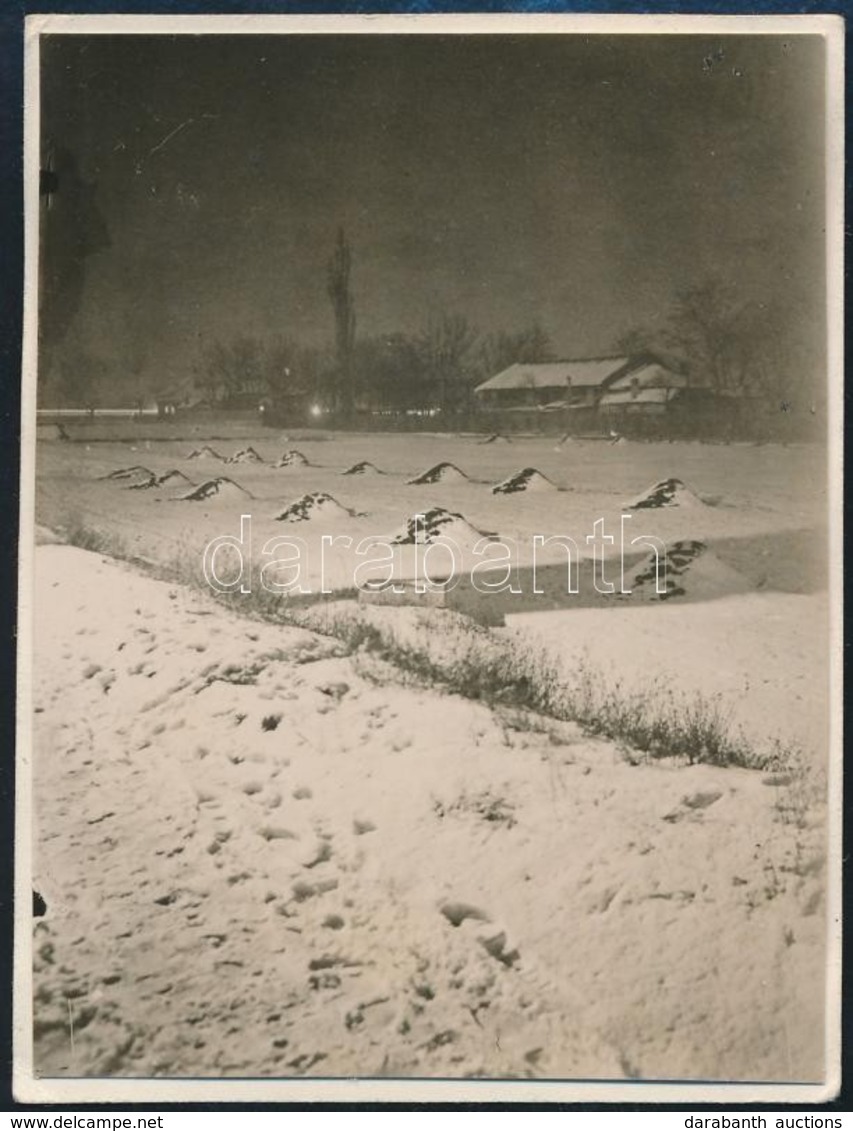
x=521, y=397
x=639, y=408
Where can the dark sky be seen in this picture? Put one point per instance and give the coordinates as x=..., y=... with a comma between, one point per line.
x=578, y=180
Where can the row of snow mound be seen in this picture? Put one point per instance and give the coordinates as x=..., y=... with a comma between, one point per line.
x=669, y=492
x=421, y=529
x=141, y=478
x=292, y=458
x=172, y=478
x=666, y=493
x=526, y=479
x=307, y=508
x=687, y=569
x=245, y=455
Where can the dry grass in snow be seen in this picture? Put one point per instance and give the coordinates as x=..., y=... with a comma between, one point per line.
x=262, y=857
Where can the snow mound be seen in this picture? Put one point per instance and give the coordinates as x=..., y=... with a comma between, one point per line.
x=245, y=455
x=293, y=458
x=220, y=489
x=137, y=472
x=315, y=505
x=494, y=438
x=205, y=452
x=688, y=569
x=365, y=467
x=528, y=479
x=666, y=493
x=429, y=526
x=440, y=473
x=173, y=478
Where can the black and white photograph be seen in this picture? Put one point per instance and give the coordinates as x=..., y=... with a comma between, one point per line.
x=429, y=643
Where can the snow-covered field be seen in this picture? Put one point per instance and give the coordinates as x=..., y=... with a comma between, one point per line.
x=263, y=856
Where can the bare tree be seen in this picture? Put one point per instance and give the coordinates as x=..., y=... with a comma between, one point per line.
x=723, y=342
x=497, y=352
x=445, y=345
x=282, y=369
x=227, y=370
x=713, y=329
x=294, y=372
x=340, y=294
x=390, y=370
x=639, y=340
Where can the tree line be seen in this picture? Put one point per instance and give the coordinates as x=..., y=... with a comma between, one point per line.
x=722, y=342
x=436, y=367
x=732, y=346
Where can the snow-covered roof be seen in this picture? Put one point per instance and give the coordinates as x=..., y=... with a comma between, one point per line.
x=589, y=372
x=651, y=375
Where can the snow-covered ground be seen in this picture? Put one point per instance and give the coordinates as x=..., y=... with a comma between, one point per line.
x=260, y=858
x=763, y=655
x=263, y=857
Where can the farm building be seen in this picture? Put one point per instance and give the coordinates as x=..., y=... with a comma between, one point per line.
x=550, y=384
x=646, y=387
x=636, y=393
x=652, y=400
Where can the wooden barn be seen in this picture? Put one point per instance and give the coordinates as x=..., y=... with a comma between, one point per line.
x=550, y=384
x=646, y=387
x=641, y=394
